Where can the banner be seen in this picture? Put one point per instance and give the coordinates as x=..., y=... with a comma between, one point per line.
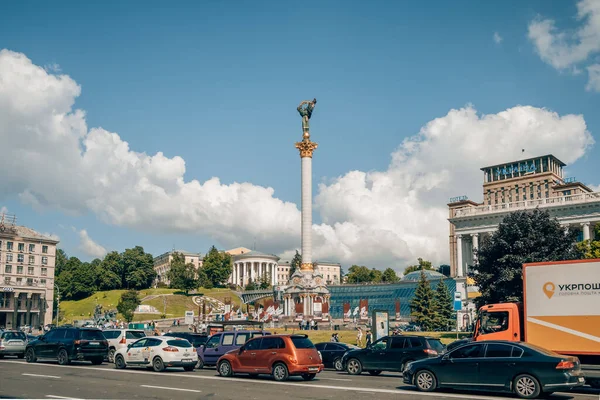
x=364, y=309
x=381, y=324
x=318, y=309
x=398, y=310
x=347, y=312
x=299, y=308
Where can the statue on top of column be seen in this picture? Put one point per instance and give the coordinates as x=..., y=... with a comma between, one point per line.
x=305, y=109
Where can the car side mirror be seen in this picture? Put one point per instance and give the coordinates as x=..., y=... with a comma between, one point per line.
x=446, y=357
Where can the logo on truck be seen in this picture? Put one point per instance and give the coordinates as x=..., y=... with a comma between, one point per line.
x=549, y=289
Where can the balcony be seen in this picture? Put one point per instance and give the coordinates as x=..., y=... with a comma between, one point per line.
x=528, y=204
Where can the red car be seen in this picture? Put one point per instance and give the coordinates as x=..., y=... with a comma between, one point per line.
x=278, y=355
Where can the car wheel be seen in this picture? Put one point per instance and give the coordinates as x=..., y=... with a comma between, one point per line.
x=97, y=361
x=425, y=381
x=200, y=364
x=30, y=356
x=526, y=387
x=225, y=368
x=111, y=355
x=374, y=373
x=158, y=365
x=63, y=357
x=119, y=362
x=337, y=364
x=188, y=368
x=308, y=377
x=354, y=367
x=280, y=372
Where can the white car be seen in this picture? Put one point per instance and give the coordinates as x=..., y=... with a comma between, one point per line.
x=158, y=352
x=120, y=339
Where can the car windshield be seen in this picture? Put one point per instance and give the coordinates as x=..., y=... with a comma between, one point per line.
x=436, y=345
x=135, y=335
x=14, y=336
x=302, y=343
x=112, y=334
x=91, y=335
x=179, y=343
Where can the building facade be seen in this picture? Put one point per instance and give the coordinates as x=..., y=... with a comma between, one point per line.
x=331, y=272
x=27, y=261
x=162, y=263
x=520, y=185
x=252, y=265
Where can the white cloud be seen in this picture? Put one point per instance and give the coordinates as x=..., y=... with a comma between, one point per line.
x=497, y=38
x=565, y=49
x=89, y=247
x=595, y=188
x=3, y=210
x=594, y=78
x=386, y=218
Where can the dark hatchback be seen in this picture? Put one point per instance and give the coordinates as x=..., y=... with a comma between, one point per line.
x=196, y=339
x=67, y=344
x=332, y=353
x=517, y=367
x=391, y=353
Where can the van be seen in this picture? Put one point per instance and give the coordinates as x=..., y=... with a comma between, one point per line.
x=223, y=342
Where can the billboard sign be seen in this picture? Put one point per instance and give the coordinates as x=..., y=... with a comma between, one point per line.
x=381, y=324
x=457, y=301
x=189, y=317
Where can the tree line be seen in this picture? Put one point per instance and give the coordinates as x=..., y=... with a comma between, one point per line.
x=131, y=269
x=362, y=274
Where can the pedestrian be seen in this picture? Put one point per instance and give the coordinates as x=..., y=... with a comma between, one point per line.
x=369, y=338
x=359, y=336
x=332, y=337
x=337, y=338
x=300, y=324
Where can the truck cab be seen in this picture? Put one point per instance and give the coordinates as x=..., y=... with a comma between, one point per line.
x=503, y=321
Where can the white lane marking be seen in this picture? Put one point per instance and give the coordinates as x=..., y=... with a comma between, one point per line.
x=42, y=376
x=62, y=397
x=402, y=392
x=335, y=379
x=171, y=388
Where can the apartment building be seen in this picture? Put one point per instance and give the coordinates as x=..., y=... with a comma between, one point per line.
x=162, y=263
x=27, y=261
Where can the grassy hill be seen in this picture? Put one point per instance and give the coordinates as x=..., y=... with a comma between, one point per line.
x=176, y=303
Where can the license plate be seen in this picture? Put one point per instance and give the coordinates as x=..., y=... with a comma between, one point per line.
x=313, y=369
x=581, y=379
x=94, y=343
x=186, y=360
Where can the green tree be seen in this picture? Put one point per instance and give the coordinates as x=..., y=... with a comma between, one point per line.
x=60, y=261
x=83, y=280
x=390, y=276
x=265, y=281
x=296, y=263
x=376, y=276
x=128, y=303
x=423, y=305
x=590, y=248
x=138, y=269
x=359, y=274
x=181, y=275
x=108, y=273
x=422, y=265
x=251, y=285
x=218, y=266
x=522, y=237
x=443, y=305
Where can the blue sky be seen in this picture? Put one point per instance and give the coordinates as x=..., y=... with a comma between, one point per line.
x=217, y=83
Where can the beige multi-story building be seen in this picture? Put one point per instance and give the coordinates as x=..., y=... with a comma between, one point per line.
x=27, y=261
x=162, y=264
x=519, y=185
x=331, y=272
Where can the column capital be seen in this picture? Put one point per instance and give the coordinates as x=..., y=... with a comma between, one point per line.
x=474, y=234
x=459, y=236
x=585, y=224
x=306, y=148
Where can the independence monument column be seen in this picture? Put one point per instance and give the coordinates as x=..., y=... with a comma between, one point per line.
x=306, y=148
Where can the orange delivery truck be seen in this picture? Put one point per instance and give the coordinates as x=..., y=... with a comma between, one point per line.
x=560, y=312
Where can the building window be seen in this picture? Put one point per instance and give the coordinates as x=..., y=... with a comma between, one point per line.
x=7, y=280
x=4, y=300
x=9, y=257
x=8, y=269
x=19, y=281
x=31, y=260
x=29, y=282
x=42, y=282
x=19, y=269
x=20, y=258
x=21, y=246
x=9, y=246
x=44, y=271
x=29, y=270
x=45, y=249
x=32, y=248
x=45, y=260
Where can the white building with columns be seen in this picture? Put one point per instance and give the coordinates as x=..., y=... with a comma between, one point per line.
x=520, y=185
x=252, y=265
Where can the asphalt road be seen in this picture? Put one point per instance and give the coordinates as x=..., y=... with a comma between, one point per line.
x=47, y=380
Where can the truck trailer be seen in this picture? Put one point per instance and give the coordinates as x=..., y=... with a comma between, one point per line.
x=560, y=312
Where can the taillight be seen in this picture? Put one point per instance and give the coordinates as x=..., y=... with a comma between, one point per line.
x=430, y=352
x=170, y=348
x=565, y=365
x=193, y=349
x=77, y=342
x=123, y=340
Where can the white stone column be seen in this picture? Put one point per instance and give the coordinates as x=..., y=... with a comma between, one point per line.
x=239, y=274
x=586, y=230
x=306, y=210
x=273, y=274
x=246, y=273
x=459, y=259
x=475, y=239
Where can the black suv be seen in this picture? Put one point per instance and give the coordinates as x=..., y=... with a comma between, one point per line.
x=66, y=344
x=391, y=353
x=196, y=339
